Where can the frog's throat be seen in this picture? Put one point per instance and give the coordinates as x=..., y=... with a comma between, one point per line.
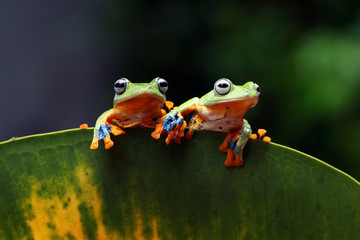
x=141, y=94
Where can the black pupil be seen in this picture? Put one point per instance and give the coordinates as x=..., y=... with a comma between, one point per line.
x=223, y=85
x=163, y=84
x=120, y=84
x=258, y=89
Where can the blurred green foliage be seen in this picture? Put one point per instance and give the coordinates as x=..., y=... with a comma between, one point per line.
x=305, y=55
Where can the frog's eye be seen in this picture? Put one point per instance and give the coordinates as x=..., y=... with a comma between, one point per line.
x=257, y=89
x=162, y=85
x=222, y=86
x=120, y=86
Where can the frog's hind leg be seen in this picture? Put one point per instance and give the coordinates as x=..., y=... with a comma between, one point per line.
x=225, y=145
x=236, y=146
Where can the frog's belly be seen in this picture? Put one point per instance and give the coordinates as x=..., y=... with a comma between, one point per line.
x=135, y=120
x=222, y=126
x=217, y=125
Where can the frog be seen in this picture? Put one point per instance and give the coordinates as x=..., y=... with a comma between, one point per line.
x=134, y=105
x=220, y=110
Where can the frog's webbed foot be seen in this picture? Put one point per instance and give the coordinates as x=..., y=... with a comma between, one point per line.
x=235, y=151
x=159, y=128
x=103, y=132
x=172, y=123
x=225, y=145
x=234, y=144
x=260, y=135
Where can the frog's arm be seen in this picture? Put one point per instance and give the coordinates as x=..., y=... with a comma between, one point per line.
x=173, y=122
x=188, y=106
x=105, y=125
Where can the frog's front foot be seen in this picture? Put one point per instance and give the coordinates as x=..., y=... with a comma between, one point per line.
x=175, y=126
x=172, y=123
x=104, y=133
x=260, y=135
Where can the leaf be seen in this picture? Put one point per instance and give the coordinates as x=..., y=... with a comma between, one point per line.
x=54, y=187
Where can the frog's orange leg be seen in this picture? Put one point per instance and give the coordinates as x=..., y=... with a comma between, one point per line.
x=116, y=130
x=180, y=133
x=190, y=133
x=238, y=160
x=108, y=142
x=235, y=144
x=224, y=146
x=177, y=133
x=261, y=135
x=159, y=128
x=95, y=143
x=229, y=158
x=103, y=127
x=169, y=105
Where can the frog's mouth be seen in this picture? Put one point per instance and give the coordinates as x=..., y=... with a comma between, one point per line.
x=246, y=101
x=143, y=96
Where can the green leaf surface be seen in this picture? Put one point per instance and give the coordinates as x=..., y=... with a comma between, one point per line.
x=54, y=187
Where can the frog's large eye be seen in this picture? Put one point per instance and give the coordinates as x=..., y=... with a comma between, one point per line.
x=257, y=89
x=120, y=86
x=222, y=86
x=162, y=85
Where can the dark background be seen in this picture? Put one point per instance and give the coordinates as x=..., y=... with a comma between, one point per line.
x=59, y=60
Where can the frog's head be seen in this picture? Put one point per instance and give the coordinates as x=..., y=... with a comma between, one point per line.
x=225, y=91
x=125, y=90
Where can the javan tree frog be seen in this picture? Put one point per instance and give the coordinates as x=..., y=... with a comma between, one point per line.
x=220, y=110
x=135, y=105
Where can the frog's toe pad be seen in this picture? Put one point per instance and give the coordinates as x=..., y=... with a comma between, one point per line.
x=172, y=122
x=238, y=161
x=108, y=142
x=260, y=135
x=84, y=126
x=94, y=144
x=229, y=158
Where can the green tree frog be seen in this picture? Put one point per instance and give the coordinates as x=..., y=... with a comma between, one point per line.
x=135, y=105
x=220, y=110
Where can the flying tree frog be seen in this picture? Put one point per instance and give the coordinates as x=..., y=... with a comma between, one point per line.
x=220, y=110
x=135, y=105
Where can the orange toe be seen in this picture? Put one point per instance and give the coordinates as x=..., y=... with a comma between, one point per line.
x=117, y=131
x=157, y=132
x=238, y=161
x=108, y=142
x=230, y=158
x=84, y=126
x=266, y=139
x=261, y=132
x=94, y=145
x=253, y=136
